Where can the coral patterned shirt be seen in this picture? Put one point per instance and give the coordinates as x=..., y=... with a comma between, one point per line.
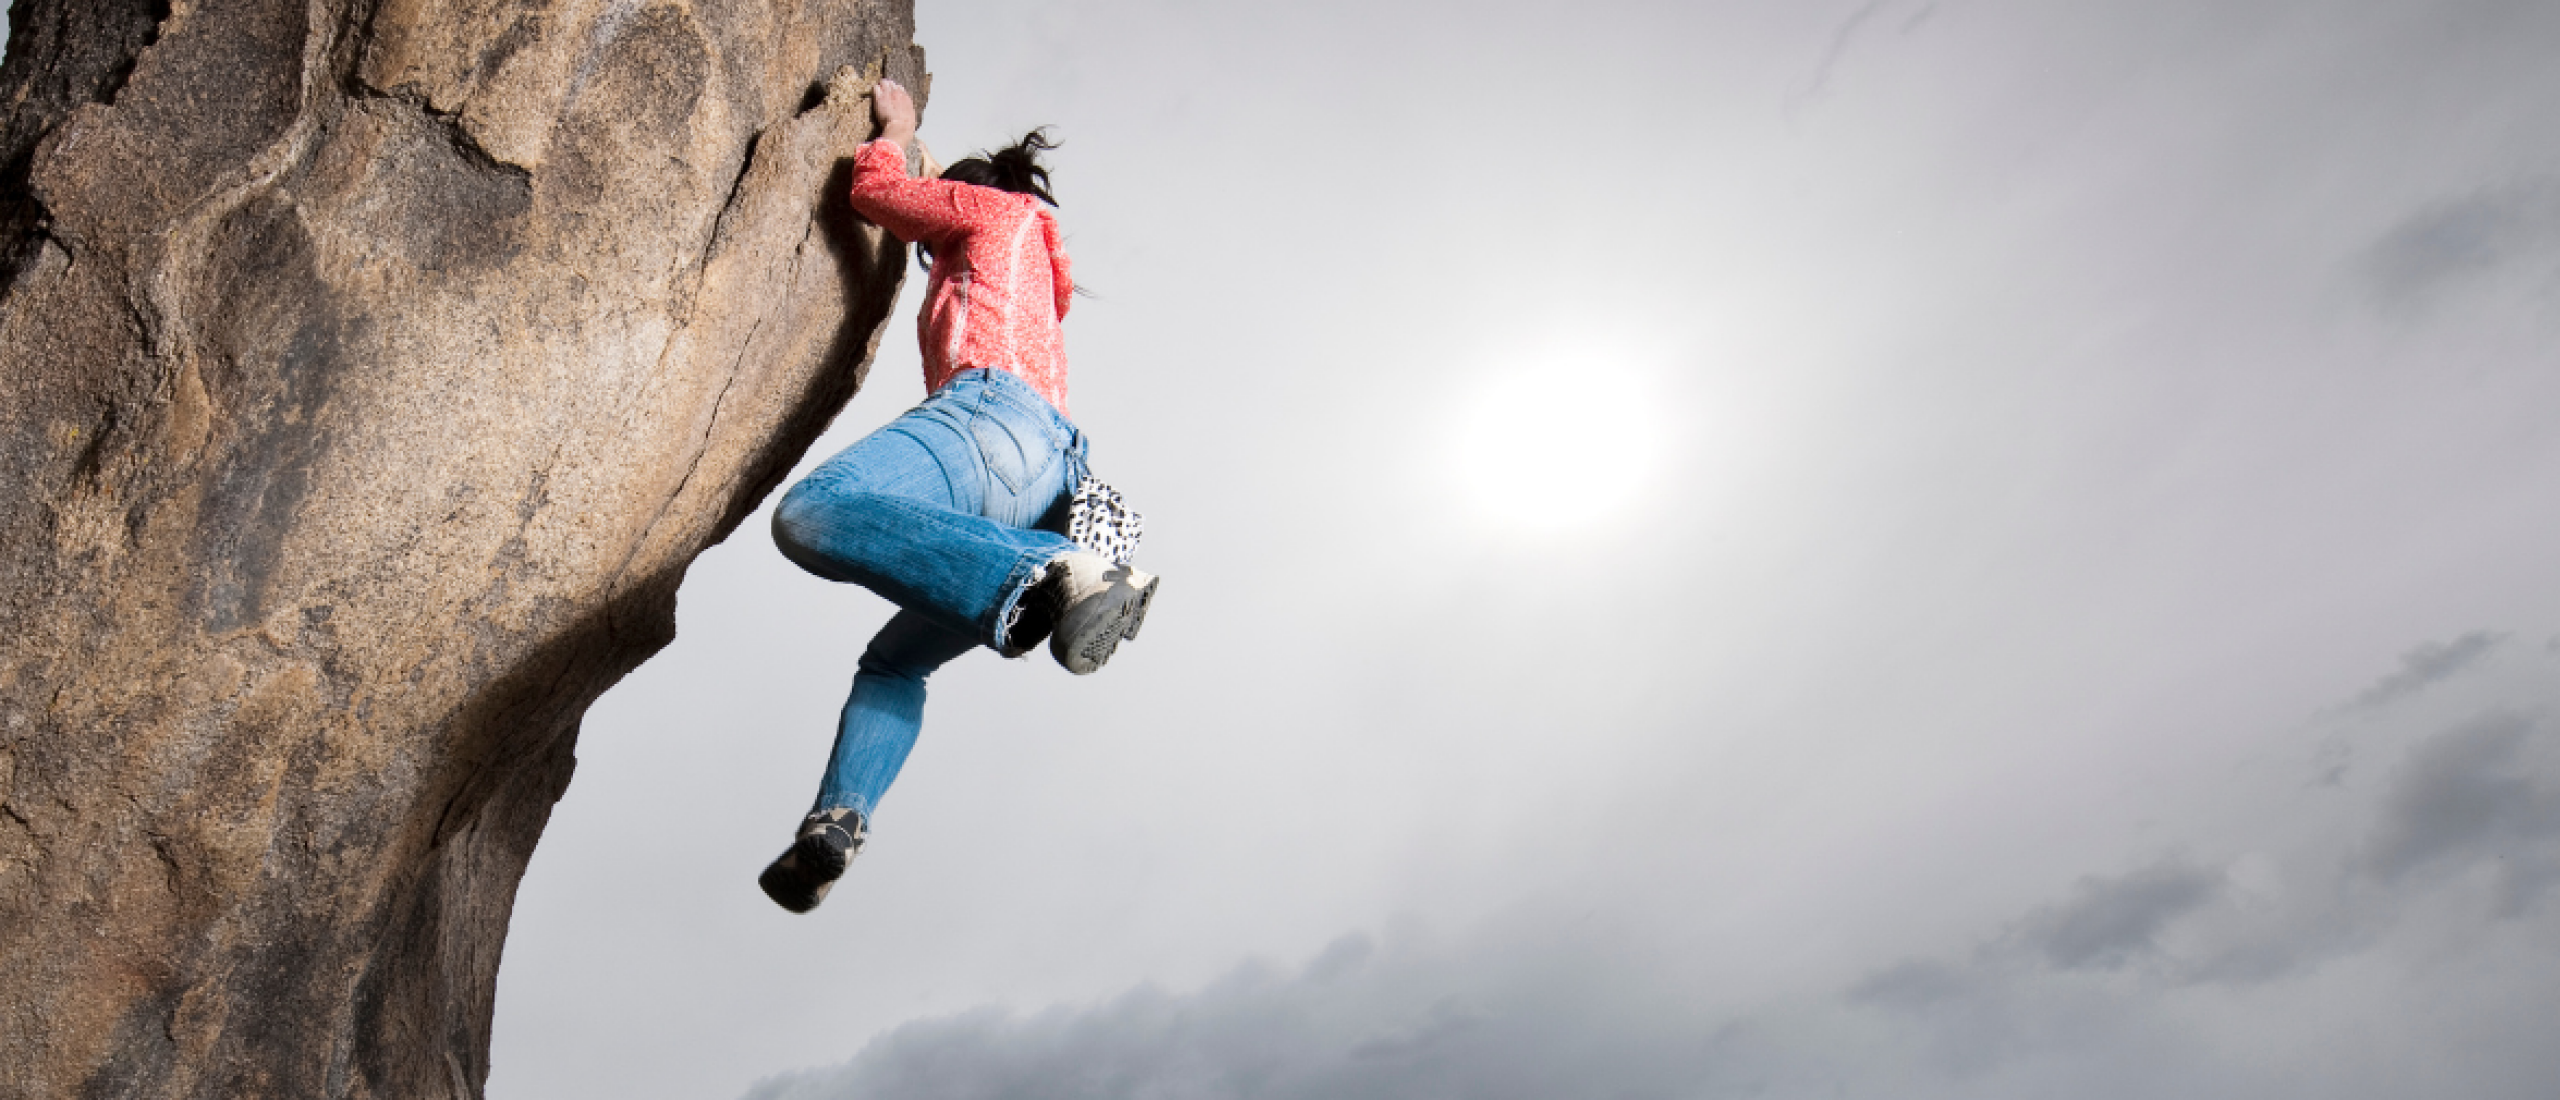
x=999, y=285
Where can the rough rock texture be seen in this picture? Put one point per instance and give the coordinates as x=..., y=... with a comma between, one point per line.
x=370, y=371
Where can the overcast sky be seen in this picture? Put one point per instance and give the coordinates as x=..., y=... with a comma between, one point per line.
x=1861, y=548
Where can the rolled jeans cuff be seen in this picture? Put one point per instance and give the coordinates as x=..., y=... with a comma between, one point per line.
x=1027, y=575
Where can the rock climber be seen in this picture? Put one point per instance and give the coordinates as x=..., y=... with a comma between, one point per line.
x=958, y=511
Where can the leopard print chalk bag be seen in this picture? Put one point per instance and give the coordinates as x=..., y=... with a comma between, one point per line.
x=1099, y=520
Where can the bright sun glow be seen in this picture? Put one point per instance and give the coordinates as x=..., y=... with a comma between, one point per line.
x=1551, y=451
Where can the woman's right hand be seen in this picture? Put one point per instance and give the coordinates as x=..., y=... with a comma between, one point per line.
x=895, y=111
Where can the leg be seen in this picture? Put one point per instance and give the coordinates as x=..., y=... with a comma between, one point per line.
x=885, y=711
x=936, y=512
x=878, y=728
x=963, y=573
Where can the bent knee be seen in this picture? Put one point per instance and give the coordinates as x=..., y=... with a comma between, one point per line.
x=793, y=517
x=802, y=524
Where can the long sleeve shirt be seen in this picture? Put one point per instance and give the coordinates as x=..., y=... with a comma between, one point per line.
x=999, y=285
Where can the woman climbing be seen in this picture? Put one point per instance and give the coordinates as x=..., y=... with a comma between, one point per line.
x=957, y=511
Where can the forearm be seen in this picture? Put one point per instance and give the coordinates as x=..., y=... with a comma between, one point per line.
x=912, y=209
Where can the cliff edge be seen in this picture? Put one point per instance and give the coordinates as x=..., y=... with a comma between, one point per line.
x=370, y=372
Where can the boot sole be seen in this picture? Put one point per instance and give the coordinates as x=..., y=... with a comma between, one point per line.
x=1138, y=618
x=1120, y=622
x=789, y=888
x=786, y=880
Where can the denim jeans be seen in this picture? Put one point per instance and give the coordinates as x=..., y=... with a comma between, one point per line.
x=950, y=512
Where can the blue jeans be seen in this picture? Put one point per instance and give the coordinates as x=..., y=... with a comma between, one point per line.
x=950, y=512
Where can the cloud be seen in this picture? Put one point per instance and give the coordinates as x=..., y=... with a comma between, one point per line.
x=1409, y=1019
x=2397, y=888
x=1915, y=984
x=2047, y=983
x=2476, y=795
x=2429, y=663
x=2111, y=921
x=2453, y=246
x=2233, y=965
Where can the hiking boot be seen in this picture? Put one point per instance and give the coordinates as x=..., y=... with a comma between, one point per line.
x=1099, y=605
x=828, y=841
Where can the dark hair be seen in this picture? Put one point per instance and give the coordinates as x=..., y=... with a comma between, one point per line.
x=1014, y=168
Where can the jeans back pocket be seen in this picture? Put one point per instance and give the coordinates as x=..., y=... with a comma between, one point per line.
x=1018, y=450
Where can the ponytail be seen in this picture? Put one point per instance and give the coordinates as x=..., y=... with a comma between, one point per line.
x=1014, y=168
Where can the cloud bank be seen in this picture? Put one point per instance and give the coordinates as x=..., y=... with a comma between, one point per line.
x=2390, y=933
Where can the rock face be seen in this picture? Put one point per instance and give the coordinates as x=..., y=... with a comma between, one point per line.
x=370, y=372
